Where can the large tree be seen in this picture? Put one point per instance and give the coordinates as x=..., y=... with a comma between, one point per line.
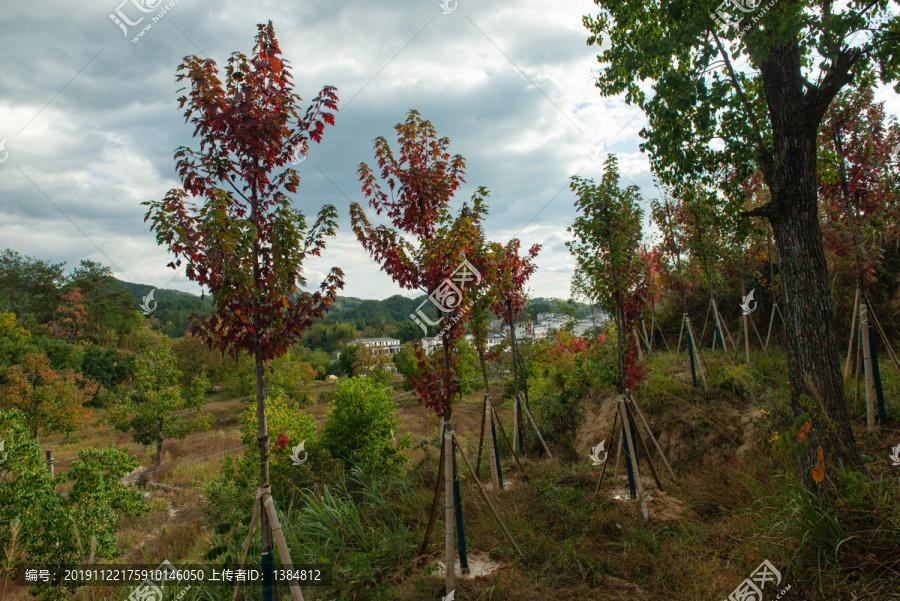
x=765, y=117
x=247, y=244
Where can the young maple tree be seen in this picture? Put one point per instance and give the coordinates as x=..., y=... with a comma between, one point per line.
x=857, y=184
x=510, y=273
x=606, y=247
x=50, y=400
x=246, y=244
x=422, y=182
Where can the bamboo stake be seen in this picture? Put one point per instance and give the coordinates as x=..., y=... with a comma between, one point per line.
x=633, y=457
x=631, y=420
x=722, y=325
x=508, y=443
x=740, y=329
x=653, y=438
x=618, y=452
x=858, y=367
x=705, y=321
x=852, y=334
x=700, y=366
x=278, y=535
x=678, y=348
x=492, y=451
x=487, y=500
x=254, y=519
x=449, y=549
x=771, y=322
x=758, y=337
x=647, y=342
x=605, y=463
x=527, y=412
x=867, y=362
x=884, y=337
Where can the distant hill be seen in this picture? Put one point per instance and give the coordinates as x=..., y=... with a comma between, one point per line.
x=173, y=308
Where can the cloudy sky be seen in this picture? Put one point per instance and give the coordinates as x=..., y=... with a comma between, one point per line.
x=89, y=118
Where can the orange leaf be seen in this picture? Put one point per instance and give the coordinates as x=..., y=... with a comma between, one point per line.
x=818, y=472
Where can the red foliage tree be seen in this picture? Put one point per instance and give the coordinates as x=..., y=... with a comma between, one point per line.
x=246, y=244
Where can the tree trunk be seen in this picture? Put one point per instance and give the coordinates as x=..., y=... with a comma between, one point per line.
x=262, y=437
x=487, y=393
x=791, y=175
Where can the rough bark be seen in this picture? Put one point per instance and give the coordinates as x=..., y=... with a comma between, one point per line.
x=790, y=173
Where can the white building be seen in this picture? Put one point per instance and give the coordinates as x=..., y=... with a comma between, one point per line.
x=389, y=345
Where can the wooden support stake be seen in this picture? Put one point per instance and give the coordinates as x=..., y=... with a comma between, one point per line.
x=647, y=456
x=508, y=443
x=678, y=348
x=706, y=321
x=653, y=438
x=771, y=322
x=50, y=462
x=852, y=334
x=693, y=340
x=867, y=362
x=618, y=452
x=527, y=412
x=723, y=327
x=758, y=337
x=633, y=456
x=605, y=463
x=492, y=451
x=253, y=521
x=637, y=341
x=284, y=554
x=884, y=338
x=487, y=501
x=449, y=547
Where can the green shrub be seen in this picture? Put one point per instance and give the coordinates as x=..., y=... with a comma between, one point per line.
x=361, y=426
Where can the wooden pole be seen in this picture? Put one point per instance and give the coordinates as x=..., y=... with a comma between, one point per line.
x=858, y=367
x=481, y=435
x=638, y=342
x=487, y=501
x=618, y=451
x=884, y=338
x=771, y=322
x=705, y=321
x=605, y=463
x=508, y=443
x=527, y=412
x=640, y=438
x=740, y=329
x=449, y=548
x=723, y=327
x=867, y=363
x=653, y=438
x=852, y=334
x=253, y=521
x=278, y=535
x=633, y=457
x=693, y=338
x=50, y=462
x=758, y=337
x=678, y=348
x=492, y=452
